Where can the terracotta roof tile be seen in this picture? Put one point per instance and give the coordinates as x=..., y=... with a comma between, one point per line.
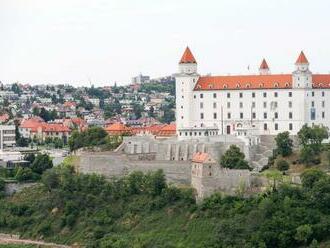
x=302, y=59
x=187, y=57
x=264, y=65
x=202, y=157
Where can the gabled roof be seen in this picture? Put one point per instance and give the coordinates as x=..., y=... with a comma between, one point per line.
x=264, y=65
x=117, y=128
x=202, y=157
x=302, y=59
x=187, y=57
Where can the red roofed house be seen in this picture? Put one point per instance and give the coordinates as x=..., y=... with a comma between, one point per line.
x=4, y=118
x=264, y=103
x=118, y=129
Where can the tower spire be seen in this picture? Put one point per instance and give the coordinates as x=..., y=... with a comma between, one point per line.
x=302, y=59
x=264, y=68
x=187, y=57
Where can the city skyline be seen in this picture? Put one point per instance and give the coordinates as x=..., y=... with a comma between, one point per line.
x=106, y=41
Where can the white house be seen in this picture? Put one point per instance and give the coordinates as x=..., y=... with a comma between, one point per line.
x=265, y=103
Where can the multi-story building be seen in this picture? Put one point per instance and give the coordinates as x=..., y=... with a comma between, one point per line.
x=265, y=104
x=7, y=136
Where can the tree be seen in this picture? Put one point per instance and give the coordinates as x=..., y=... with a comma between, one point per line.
x=307, y=155
x=234, y=159
x=41, y=163
x=30, y=157
x=50, y=179
x=25, y=174
x=303, y=233
x=284, y=144
x=313, y=137
x=282, y=165
x=2, y=185
x=311, y=176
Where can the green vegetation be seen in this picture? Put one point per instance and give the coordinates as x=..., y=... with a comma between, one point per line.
x=283, y=144
x=94, y=136
x=282, y=165
x=140, y=210
x=234, y=159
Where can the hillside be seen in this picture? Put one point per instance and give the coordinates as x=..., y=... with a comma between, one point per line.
x=142, y=211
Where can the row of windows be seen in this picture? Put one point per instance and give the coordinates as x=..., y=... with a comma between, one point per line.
x=253, y=105
x=254, y=115
x=253, y=94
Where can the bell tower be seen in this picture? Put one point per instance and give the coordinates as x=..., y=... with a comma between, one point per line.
x=302, y=76
x=264, y=69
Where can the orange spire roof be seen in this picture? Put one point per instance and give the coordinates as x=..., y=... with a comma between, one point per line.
x=187, y=57
x=302, y=59
x=264, y=65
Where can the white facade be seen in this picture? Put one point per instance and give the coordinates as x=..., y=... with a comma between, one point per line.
x=204, y=111
x=7, y=136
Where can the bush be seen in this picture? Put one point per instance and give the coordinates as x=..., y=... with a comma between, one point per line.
x=282, y=165
x=41, y=163
x=284, y=144
x=26, y=174
x=234, y=159
x=311, y=176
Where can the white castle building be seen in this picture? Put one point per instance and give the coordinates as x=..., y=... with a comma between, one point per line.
x=263, y=104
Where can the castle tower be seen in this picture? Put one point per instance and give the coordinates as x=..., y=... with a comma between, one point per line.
x=302, y=77
x=264, y=69
x=186, y=80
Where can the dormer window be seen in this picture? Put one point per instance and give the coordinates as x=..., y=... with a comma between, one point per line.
x=248, y=85
x=276, y=85
x=287, y=85
x=210, y=86
x=225, y=86
x=198, y=87
x=238, y=86
x=261, y=85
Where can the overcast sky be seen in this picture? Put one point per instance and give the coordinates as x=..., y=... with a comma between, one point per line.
x=74, y=41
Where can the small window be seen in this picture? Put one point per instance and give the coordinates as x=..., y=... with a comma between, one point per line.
x=275, y=94
x=238, y=86
x=241, y=115
x=228, y=95
x=312, y=104
x=265, y=104
x=265, y=115
x=276, y=126
x=290, y=104
x=265, y=94
x=322, y=93
x=276, y=115
x=253, y=115
x=323, y=104
x=228, y=115
x=265, y=126
x=253, y=104
x=312, y=93
x=275, y=85
x=201, y=95
x=290, y=115
x=201, y=105
x=240, y=94
x=323, y=115
x=202, y=115
x=195, y=96
x=241, y=104
x=290, y=94
x=225, y=86
x=253, y=94
x=214, y=105
x=214, y=115
x=290, y=126
x=214, y=95
x=228, y=104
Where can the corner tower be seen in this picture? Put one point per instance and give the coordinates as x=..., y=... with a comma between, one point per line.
x=185, y=81
x=264, y=68
x=302, y=76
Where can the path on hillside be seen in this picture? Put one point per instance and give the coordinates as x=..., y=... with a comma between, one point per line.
x=14, y=239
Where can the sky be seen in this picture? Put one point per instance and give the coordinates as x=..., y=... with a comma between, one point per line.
x=106, y=41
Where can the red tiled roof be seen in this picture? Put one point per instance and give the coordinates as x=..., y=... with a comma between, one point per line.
x=187, y=57
x=4, y=117
x=321, y=80
x=244, y=82
x=302, y=59
x=69, y=104
x=55, y=127
x=264, y=65
x=167, y=130
x=201, y=157
x=117, y=128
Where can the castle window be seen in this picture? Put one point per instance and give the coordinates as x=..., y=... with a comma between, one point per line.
x=238, y=86
x=241, y=105
x=313, y=104
x=253, y=94
x=276, y=115
x=265, y=115
x=253, y=115
x=201, y=95
x=290, y=94
x=276, y=126
x=228, y=104
x=253, y=104
x=290, y=104
x=323, y=104
x=323, y=115
x=214, y=115
x=265, y=94
x=241, y=94
x=202, y=115
x=322, y=93
x=290, y=115
x=210, y=174
x=195, y=96
x=228, y=95
x=265, y=104
x=214, y=95
x=181, y=106
x=214, y=105
x=180, y=133
x=290, y=126
x=228, y=115
x=201, y=105
x=182, y=117
x=199, y=133
x=241, y=115
x=265, y=126
x=312, y=93
x=275, y=94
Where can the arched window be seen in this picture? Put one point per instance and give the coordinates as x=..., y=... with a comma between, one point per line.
x=225, y=86
x=276, y=85
x=261, y=85
x=238, y=86
x=287, y=85
x=210, y=86
x=198, y=87
x=248, y=85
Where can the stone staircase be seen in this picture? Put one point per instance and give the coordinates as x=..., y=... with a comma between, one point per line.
x=262, y=152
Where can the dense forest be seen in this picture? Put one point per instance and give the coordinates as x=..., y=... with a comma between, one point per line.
x=141, y=210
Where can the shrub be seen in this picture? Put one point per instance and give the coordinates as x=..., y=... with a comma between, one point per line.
x=282, y=165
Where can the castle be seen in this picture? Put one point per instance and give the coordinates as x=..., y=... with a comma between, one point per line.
x=263, y=104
